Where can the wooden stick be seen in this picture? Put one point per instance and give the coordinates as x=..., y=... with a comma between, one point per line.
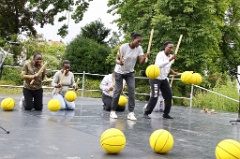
x=175, y=75
x=77, y=82
x=60, y=82
x=149, y=44
x=176, y=51
x=171, y=83
x=39, y=72
x=120, y=56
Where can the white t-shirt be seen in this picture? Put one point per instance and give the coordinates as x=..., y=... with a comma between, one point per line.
x=107, y=82
x=162, y=61
x=130, y=57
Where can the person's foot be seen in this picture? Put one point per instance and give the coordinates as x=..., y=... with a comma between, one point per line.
x=113, y=115
x=146, y=116
x=131, y=116
x=166, y=116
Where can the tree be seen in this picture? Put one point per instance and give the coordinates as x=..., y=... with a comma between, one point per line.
x=17, y=16
x=96, y=31
x=87, y=55
x=200, y=22
x=48, y=9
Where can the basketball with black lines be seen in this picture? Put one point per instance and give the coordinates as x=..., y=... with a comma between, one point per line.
x=228, y=149
x=152, y=71
x=70, y=96
x=161, y=141
x=8, y=104
x=113, y=141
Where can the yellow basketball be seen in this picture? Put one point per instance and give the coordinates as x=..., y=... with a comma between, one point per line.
x=54, y=105
x=152, y=71
x=228, y=149
x=70, y=96
x=8, y=104
x=196, y=78
x=113, y=140
x=186, y=77
x=161, y=141
x=122, y=100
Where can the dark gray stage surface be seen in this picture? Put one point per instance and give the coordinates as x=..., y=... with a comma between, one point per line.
x=76, y=134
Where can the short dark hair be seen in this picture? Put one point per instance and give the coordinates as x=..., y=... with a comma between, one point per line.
x=165, y=45
x=135, y=35
x=65, y=62
x=35, y=54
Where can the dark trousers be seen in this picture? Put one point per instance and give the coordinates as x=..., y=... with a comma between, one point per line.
x=164, y=86
x=107, y=101
x=33, y=99
x=130, y=80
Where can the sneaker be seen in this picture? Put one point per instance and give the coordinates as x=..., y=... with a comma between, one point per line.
x=166, y=116
x=113, y=115
x=131, y=116
x=146, y=116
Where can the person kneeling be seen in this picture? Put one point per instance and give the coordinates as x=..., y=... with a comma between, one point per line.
x=107, y=86
x=61, y=82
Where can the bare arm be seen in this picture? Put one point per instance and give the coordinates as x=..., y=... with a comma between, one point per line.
x=175, y=73
x=142, y=58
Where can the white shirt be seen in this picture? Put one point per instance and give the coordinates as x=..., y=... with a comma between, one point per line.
x=162, y=61
x=107, y=82
x=129, y=57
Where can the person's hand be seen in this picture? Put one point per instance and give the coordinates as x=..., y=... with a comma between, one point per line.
x=76, y=88
x=111, y=88
x=35, y=76
x=59, y=85
x=173, y=57
x=147, y=55
x=121, y=62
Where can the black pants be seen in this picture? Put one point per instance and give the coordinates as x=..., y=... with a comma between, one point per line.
x=33, y=99
x=107, y=101
x=164, y=86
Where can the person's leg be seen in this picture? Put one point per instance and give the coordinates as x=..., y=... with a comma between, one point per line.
x=38, y=99
x=117, y=90
x=167, y=95
x=69, y=105
x=153, y=96
x=130, y=80
x=28, y=96
x=107, y=100
x=60, y=98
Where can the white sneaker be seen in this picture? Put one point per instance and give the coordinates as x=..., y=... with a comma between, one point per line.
x=113, y=115
x=131, y=116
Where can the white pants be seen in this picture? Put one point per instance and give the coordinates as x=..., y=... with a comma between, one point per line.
x=64, y=103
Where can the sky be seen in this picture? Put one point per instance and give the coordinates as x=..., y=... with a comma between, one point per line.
x=97, y=10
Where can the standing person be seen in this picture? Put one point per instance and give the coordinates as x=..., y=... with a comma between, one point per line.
x=33, y=93
x=107, y=85
x=124, y=69
x=163, y=61
x=68, y=80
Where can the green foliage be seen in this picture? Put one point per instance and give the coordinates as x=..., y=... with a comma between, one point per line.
x=87, y=55
x=95, y=31
x=47, y=10
x=15, y=17
x=204, y=24
x=203, y=99
x=12, y=76
x=51, y=52
x=22, y=15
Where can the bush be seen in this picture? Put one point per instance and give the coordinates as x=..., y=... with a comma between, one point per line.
x=203, y=99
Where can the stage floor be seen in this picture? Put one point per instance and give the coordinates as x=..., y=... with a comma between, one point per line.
x=76, y=134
